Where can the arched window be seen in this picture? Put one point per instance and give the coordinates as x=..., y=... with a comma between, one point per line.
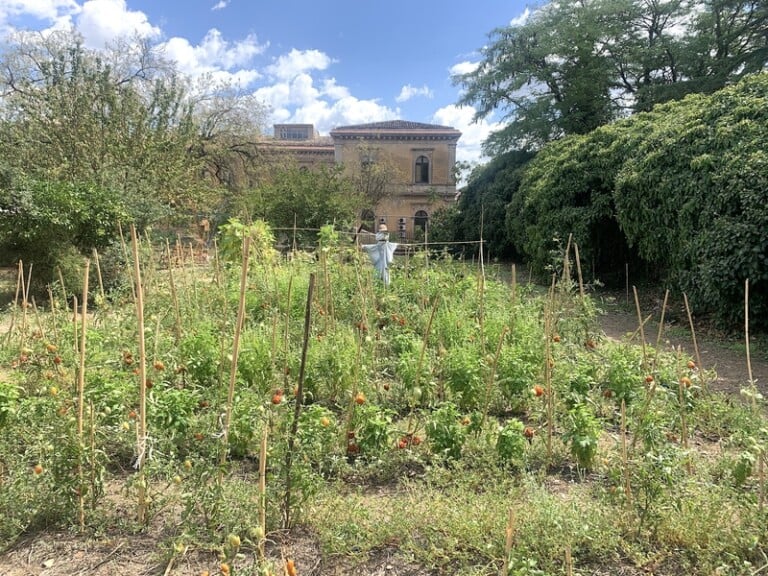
x=422, y=170
x=420, y=220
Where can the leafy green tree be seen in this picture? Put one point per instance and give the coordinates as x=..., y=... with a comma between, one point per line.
x=307, y=200
x=692, y=198
x=728, y=40
x=574, y=66
x=483, y=201
x=543, y=76
x=54, y=224
x=117, y=120
x=680, y=191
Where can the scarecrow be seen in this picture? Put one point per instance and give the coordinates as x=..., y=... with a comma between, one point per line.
x=381, y=253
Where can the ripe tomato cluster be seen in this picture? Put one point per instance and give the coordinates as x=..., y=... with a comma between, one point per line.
x=409, y=439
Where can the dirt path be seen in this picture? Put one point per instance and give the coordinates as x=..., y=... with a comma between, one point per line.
x=726, y=356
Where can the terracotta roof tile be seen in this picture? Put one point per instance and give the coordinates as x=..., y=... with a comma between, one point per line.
x=394, y=125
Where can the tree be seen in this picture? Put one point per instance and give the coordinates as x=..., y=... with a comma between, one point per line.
x=306, y=200
x=575, y=66
x=483, y=201
x=545, y=77
x=681, y=190
x=53, y=224
x=115, y=120
x=692, y=197
x=121, y=122
x=728, y=40
x=230, y=124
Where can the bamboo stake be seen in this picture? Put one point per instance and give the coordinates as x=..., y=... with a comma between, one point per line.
x=509, y=534
x=481, y=289
x=681, y=402
x=216, y=264
x=695, y=344
x=29, y=282
x=351, y=404
x=287, y=333
x=174, y=295
x=746, y=335
x=74, y=326
x=92, y=421
x=640, y=325
x=420, y=365
x=125, y=255
x=568, y=561
x=98, y=274
x=19, y=282
x=81, y=393
x=54, y=319
x=566, y=278
x=19, y=275
x=24, y=303
x=626, y=282
x=624, y=456
x=235, y=354
x=263, y=491
x=642, y=330
x=661, y=325
x=38, y=322
x=141, y=447
x=548, y=312
x=299, y=402
x=761, y=459
x=761, y=480
x=578, y=269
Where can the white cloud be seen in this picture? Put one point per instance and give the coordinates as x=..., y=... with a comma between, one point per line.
x=46, y=10
x=522, y=19
x=298, y=61
x=103, y=21
x=296, y=95
x=226, y=61
x=463, y=68
x=473, y=134
x=407, y=92
x=57, y=14
x=333, y=90
x=220, y=5
x=326, y=106
x=349, y=110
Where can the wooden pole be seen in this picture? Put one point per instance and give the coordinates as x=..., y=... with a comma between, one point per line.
x=235, y=355
x=695, y=343
x=81, y=394
x=141, y=448
x=299, y=402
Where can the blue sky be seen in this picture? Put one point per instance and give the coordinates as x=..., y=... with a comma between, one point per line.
x=326, y=63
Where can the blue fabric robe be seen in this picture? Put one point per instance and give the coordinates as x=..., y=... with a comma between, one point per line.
x=381, y=254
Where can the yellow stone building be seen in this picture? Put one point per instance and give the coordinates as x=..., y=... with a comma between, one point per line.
x=406, y=168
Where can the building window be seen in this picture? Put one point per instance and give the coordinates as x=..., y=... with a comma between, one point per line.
x=422, y=170
x=420, y=220
x=294, y=131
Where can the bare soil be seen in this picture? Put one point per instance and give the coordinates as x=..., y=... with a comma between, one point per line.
x=117, y=551
x=725, y=354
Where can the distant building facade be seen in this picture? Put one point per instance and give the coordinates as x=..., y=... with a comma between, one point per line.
x=416, y=163
x=302, y=143
x=406, y=168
